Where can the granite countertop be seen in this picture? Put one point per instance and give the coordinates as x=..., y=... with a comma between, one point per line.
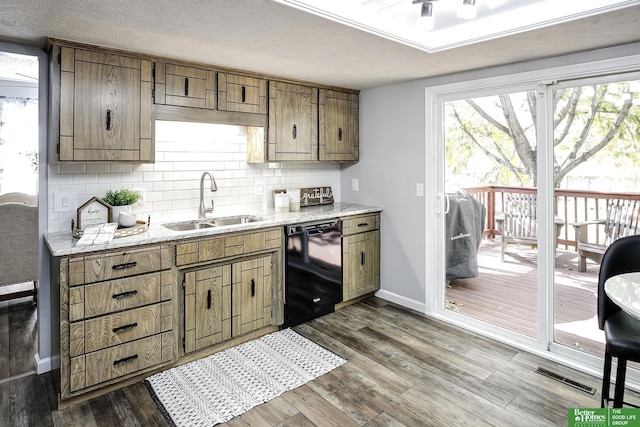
x=63, y=243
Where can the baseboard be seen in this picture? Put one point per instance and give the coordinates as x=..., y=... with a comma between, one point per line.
x=403, y=301
x=47, y=364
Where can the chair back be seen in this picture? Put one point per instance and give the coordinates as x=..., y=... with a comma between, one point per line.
x=623, y=219
x=622, y=256
x=520, y=215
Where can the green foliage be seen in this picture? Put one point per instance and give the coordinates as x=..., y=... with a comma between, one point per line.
x=122, y=197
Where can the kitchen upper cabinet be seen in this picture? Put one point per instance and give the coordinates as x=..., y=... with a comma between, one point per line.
x=105, y=107
x=292, y=133
x=242, y=94
x=184, y=86
x=339, y=130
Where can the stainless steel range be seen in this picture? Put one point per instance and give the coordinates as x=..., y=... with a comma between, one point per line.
x=313, y=275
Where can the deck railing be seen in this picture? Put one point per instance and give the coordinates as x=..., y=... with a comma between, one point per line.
x=572, y=206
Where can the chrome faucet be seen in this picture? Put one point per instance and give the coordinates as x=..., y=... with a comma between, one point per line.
x=202, y=211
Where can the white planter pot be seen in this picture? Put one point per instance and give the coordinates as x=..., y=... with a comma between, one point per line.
x=115, y=211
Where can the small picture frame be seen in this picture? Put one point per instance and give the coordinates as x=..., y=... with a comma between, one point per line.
x=94, y=212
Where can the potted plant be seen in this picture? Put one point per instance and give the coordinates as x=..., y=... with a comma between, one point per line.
x=121, y=201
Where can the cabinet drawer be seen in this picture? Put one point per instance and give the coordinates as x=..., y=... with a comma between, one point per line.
x=104, y=365
x=360, y=224
x=120, y=294
x=97, y=268
x=107, y=331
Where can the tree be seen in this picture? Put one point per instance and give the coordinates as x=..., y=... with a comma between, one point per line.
x=586, y=120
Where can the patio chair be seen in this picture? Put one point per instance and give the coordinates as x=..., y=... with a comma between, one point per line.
x=518, y=224
x=621, y=220
x=19, y=243
x=621, y=330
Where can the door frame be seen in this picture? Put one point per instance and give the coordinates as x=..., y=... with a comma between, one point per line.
x=538, y=80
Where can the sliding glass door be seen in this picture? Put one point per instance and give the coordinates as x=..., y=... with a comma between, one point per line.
x=536, y=182
x=491, y=219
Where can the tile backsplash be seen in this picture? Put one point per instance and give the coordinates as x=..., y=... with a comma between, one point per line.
x=171, y=186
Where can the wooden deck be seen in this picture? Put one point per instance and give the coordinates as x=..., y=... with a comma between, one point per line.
x=505, y=294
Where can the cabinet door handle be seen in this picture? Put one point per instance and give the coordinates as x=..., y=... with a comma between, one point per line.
x=363, y=224
x=253, y=287
x=108, y=124
x=124, y=328
x=186, y=86
x=339, y=134
x=124, y=294
x=362, y=258
x=295, y=131
x=244, y=94
x=125, y=360
x=125, y=265
x=209, y=299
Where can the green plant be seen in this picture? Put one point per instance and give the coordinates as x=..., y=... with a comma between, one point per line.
x=122, y=197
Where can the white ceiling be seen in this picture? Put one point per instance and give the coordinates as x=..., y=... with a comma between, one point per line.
x=269, y=37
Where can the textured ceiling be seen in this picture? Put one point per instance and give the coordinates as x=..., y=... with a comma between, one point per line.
x=267, y=37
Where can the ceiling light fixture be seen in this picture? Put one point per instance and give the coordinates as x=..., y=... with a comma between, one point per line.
x=467, y=10
x=426, y=21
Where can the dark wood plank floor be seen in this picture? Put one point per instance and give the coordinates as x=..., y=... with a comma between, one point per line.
x=18, y=337
x=403, y=369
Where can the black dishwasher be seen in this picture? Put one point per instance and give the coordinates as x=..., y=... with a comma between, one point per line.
x=313, y=275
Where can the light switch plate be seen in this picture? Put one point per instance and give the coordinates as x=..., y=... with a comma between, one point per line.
x=355, y=184
x=65, y=201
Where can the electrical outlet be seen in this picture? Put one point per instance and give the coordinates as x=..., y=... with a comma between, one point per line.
x=259, y=191
x=354, y=184
x=420, y=190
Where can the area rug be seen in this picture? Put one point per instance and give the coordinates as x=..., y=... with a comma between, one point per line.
x=224, y=385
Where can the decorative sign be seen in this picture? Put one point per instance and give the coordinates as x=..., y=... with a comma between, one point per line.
x=94, y=212
x=316, y=196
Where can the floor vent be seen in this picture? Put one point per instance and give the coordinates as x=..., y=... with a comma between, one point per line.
x=566, y=381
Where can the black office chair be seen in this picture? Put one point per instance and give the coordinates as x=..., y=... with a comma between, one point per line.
x=621, y=330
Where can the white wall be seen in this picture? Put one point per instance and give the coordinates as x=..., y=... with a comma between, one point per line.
x=172, y=184
x=392, y=161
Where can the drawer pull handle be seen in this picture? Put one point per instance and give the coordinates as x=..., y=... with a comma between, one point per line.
x=209, y=299
x=124, y=328
x=363, y=224
x=253, y=287
x=244, y=94
x=124, y=294
x=186, y=86
x=339, y=134
x=125, y=265
x=108, y=124
x=125, y=360
x=295, y=131
x=362, y=258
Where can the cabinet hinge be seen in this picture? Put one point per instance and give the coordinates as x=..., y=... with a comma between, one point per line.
x=153, y=82
x=59, y=59
x=184, y=345
x=184, y=285
x=58, y=148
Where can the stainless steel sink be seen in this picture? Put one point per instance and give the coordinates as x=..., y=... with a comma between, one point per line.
x=198, y=224
x=232, y=220
x=188, y=225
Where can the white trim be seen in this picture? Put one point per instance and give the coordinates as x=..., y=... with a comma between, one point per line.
x=403, y=301
x=47, y=364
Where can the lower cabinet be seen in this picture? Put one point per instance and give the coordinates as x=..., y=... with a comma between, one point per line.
x=360, y=255
x=226, y=300
x=116, y=317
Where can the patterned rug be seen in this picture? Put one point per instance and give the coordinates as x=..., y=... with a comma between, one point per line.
x=222, y=386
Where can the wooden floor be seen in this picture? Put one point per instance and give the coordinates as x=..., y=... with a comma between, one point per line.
x=403, y=369
x=505, y=294
x=18, y=337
